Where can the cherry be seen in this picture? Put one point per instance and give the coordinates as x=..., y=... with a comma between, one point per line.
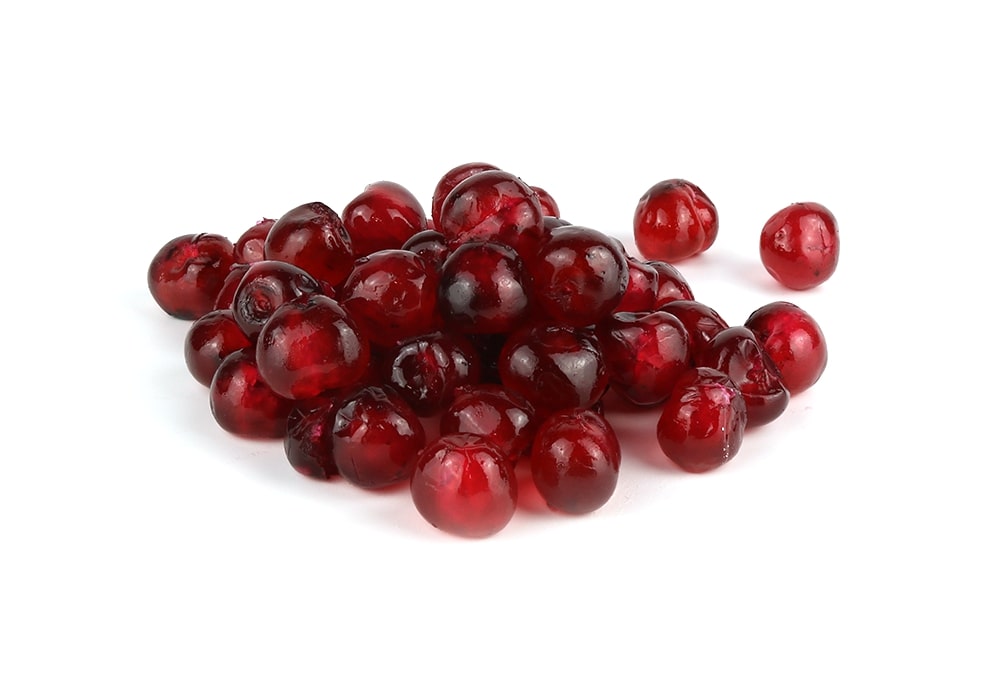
x=702, y=423
x=800, y=245
x=547, y=202
x=265, y=287
x=393, y=295
x=671, y=284
x=674, y=220
x=376, y=438
x=250, y=246
x=430, y=245
x=793, y=341
x=640, y=293
x=553, y=367
x=211, y=338
x=224, y=301
x=383, y=216
x=427, y=370
x=312, y=237
x=484, y=289
x=493, y=206
x=491, y=412
x=308, y=440
x=580, y=276
x=310, y=345
x=242, y=403
x=464, y=485
x=451, y=179
x=550, y=223
x=736, y=352
x=645, y=354
x=187, y=273
x=575, y=459
x=701, y=321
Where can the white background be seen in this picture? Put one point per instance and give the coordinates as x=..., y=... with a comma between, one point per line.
x=854, y=535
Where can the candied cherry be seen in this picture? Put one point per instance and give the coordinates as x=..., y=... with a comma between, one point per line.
x=309, y=346
x=429, y=245
x=393, y=295
x=491, y=412
x=701, y=321
x=800, y=245
x=451, y=179
x=312, y=237
x=553, y=367
x=428, y=369
x=550, y=223
x=575, y=459
x=308, y=441
x=464, y=485
x=794, y=342
x=383, y=216
x=266, y=286
x=578, y=276
x=702, y=423
x=187, y=273
x=211, y=338
x=736, y=352
x=224, y=301
x=640, y=292
x=376, y=438
x=493, y=206
x=250, y=246
x=243, y=404
x=547, y=202
x=645, y=354
x=484, y=289
x=670, y=284
x=674, y=220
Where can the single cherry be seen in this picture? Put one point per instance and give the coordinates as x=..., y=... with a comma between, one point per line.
x=430, y=245
x=484, y=289
x=266, y=286
x=250, y=246
x=383, y=216
x=242, y=403
x=428, y=369
x=794, y=342
x=547, y=202
x=451, y=179
x=640, y=293
x=211, y=338
x=187, y=273
x=670, y=284
x=674, y=220
x=491, y=412
x=800, y=245
x=736, y=352
x=224, y=301
x=308, y=440
x=312, y=237
x=701, y=321
x=645, y=354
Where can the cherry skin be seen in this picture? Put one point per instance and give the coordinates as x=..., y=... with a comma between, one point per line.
x=211, y=338
x=187, y=273
x=224, y=301
x=308, y=441
x=491, y=412
x=427, y=370
x=451, y=179
x=553, y=367
x=800, y=245
x=547, y=202
x=430, y=245
x=243, y=404
x=794, y=342
x=670, y=284
x=645, y=354
x=312, y=237
x=580, y=275
x=674, y=220
x=640, y=292
x=575, y=460
x=376, y=438
x=736, y=352
x=464, y=485
x=383, y=216
x=701, y=321
x=266, y=286
x=393, y=295
x=309, y=346
x=702, y=423
x=250, y=246
x=484, y=289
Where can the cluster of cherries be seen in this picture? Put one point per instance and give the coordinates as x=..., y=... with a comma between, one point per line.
x=349, y=335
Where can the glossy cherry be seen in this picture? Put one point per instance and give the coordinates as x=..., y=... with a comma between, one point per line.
x=484, y=289
x=491, y=412
x=674, y=220
x=702, y=423
x=800, y=245
x=670, y=284
x=736, y=352
x=547, y=202
x=187, y=273
x=575, y=460
x=464, y=485
x=266, y=286
x=701, y=321
x=211, y=338
x=645, y=354
x=224, y=301
x=794, y=342
x=640, y=292
x=242, y=403
x=427, y=370
x=383, y=216
x=451, y=179
x=430, y=245
x=308, y=440
x=312, y=237
x=250, y=246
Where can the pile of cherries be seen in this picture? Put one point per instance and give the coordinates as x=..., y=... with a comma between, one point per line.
x=351, y=336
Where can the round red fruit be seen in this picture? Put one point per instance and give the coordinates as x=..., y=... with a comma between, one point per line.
x=800, y=245
x=187, y=274
x=674, y=220
x=794, y=342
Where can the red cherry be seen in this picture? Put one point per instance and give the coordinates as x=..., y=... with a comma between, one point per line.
x=640, y=293
x=312, y=237
x=242, y=403
x=800, y=245
x=464, y=485
x=484, y=289
x=575, y=459
x=645, y=354
x=794, y=342
x=308, y=441
x=430, y=245
x=674, y=220
x=702, y=423
x=451, y=179
x=736, y=352
x=383, y=216
x=491, y=412
x=266, y=286
x=670, y=284
x=187, y=273
x=547, y=202
x=224, y=301
x=701, y=321
x=211, y=338
x=250, y=246
x=427, y=370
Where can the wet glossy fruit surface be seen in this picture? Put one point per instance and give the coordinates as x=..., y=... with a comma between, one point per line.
x=736, y=352
x=489, y=411
x=800, y=245
x=484, y=289
x=383, y=216
x=187, y=273
x=312, y=237
x=243, y=403
x=428, y=369
x=794, y=342
x=674, y=220
x=266, y=286
x=645, y=354
x=211, y=338
x=308, y=440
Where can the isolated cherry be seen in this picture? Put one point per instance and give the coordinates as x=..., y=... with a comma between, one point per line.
x=800, y=245
x=187, y=273
x=674, y=220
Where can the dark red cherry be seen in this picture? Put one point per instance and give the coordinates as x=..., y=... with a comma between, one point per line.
x=484, y=289
x=491, y=412
x=794, y=342
x=427, y=370
x=674, y=220
x=383, y=216
x=701, y=321
x=211, y=338
x=242, y=403
x=645, y=354
x=312, y=237
x=464, y=485
x=702, y=423
x=547, y=202
x=264, y=288
x=250, y=246
x=429, y=245
x=736, y=352
x=187, y=273
x=575, y=459
x=640, y=292
x=800, y=245
x=308, y=439
x=451, y=179
x=670, y=284
x=224, y=301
